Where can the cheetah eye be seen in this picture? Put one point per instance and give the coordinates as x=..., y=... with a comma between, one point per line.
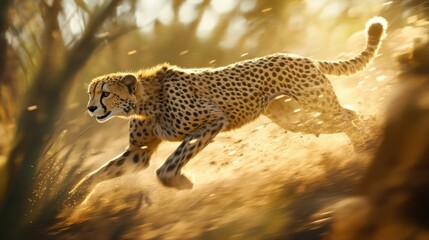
x=105, y=94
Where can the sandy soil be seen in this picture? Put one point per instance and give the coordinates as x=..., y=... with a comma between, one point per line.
x=240, y=180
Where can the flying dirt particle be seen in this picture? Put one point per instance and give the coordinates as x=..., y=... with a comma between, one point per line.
x=266, y=10
x=258, y=128
x=132, y=52
x=278, y=97
x=184, y=52
x=316, y=114
x=288, y=100
x=32, y=107
x=381, y=78
x=319, y=222
x=232, y=153
x=102, y=35
x=212, y=61
x=244, y=54
x=387, y=3
x=297, y=110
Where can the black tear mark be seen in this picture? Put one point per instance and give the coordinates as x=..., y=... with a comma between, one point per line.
x=120, y=162
x=101, y=98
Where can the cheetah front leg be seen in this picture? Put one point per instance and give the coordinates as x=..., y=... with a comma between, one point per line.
x=170, y=172
x=136, y=157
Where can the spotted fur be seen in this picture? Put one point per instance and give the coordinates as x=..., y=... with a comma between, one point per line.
x=193, y=105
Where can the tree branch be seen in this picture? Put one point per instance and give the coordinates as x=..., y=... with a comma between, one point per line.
x=48, y=92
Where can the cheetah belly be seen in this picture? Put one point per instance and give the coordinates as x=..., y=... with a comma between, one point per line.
x=241, y=110
x=165, y=132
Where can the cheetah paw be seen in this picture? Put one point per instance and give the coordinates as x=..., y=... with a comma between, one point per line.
x=180, y=182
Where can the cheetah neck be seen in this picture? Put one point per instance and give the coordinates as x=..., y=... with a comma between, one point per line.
x=148, y=90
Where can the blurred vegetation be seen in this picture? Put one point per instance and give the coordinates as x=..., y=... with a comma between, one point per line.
x=393, y=196
x=51, y=49
x=48, y=64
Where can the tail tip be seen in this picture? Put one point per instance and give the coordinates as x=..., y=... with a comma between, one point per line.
x=376, y=27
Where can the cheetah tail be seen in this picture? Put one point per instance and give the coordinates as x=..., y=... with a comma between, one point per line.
x=376, y=31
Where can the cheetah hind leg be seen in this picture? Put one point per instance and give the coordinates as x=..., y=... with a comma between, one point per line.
x=361, y=134
x=169, y=173
x=313, y=122
x=356, y=130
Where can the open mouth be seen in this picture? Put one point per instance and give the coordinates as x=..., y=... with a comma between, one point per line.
x=104, y=115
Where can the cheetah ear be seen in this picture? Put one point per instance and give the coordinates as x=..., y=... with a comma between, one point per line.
x=130, y=82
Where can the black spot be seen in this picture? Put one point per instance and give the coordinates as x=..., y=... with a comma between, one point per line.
x=136, y=158
x=120, y=162
x=171, y=167
x=177, y=153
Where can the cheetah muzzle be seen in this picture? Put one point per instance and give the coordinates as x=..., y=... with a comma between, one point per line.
x=101, y=117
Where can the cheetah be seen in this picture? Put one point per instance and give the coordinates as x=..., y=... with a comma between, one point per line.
x=167, y=102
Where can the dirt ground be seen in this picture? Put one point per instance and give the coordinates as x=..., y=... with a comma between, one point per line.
x=239, y=183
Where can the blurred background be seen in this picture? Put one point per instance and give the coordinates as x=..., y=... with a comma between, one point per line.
x=269, y=183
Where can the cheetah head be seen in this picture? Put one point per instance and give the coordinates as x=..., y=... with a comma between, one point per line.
x=112, y=95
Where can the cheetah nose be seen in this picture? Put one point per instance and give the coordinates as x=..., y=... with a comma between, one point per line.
x=92, y=108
